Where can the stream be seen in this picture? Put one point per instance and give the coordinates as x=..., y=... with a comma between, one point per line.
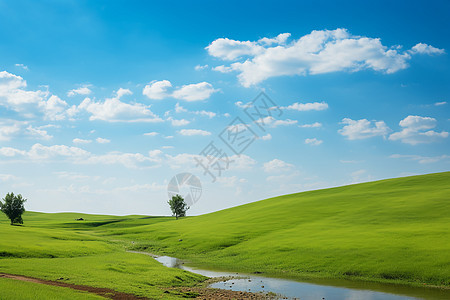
x=313, y=290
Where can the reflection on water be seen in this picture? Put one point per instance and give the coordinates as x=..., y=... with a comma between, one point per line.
x=327, y=289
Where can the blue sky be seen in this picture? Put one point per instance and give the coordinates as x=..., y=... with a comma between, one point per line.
x=103, y=102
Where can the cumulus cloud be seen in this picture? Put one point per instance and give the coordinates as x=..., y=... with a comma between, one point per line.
x=38, y=133
x=39, y=152
x=54, y=108
x=102, y=140
x=157, y=89
x=194, y=92
x=200, y=67
x=153, y=133
x=181, y=122
x=313, y=142
x=191, y=132
x=10, y=129
x=272, y=122
x=81, y=141
x=312, y=125
x=363, y=129
x=15, y=96
x=307, y=106
x=266, y=137
x=190, y=92
x=181, y=109
x=115, y=110
x=426, y=49
x=83, y=90
x=321, y=51
x=416, y=130
x=277, y=166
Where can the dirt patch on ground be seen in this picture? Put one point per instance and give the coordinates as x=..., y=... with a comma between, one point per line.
x=219, y=294
x=198, y=292
x=202, y=291
x=104, y=292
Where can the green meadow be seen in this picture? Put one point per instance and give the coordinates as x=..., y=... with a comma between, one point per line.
x=394, y=231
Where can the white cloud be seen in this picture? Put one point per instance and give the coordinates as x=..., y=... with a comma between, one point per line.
x=266, y=137
x=191, y=132
x=307, y=106
x=321, y=51
x=38, y=133
x=313, y=142
x=416, y=131
x=440, y=103
x=102, y=140
x=83, y=90
x=128, y=160
x=240, y=104
x=280, y=39
x=39, y=152
x=7, y=177
x=272, y=122
x=182, y=160
x=153, y=133
x=190, y=92
x=157, y=89
x=241, y=163
x=228, y=49
x=9, y=129
x=11, y=152
x=179, y=108
x=54, y=108
x=422, y=159
x=277, y=166
x=194, y=92
x=13, y=94
x=77, y=155
x=349, y=161
x=426, y=49
x=362, y=129
x=12, y=128
x=205, y=113
x=114, y=110
x=313, y=125
x=199, y=67
x=181, y=122
x=223, y=69
x=22, y=66
x=360, y=175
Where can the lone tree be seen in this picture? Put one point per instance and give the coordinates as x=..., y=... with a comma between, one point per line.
x=13, y=207
x=178, y=206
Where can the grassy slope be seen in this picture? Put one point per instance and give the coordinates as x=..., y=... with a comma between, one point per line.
x=396, y=229
x=391, y=230
x=51, y=246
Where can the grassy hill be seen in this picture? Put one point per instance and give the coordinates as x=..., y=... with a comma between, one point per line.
x=394, y=230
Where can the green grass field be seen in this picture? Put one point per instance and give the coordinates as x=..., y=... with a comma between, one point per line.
x=394, y=230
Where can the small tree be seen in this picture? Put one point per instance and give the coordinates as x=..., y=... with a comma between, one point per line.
x=178, y=206
x=13, y=207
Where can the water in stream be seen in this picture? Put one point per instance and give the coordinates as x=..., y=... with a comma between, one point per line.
x=329, y=290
